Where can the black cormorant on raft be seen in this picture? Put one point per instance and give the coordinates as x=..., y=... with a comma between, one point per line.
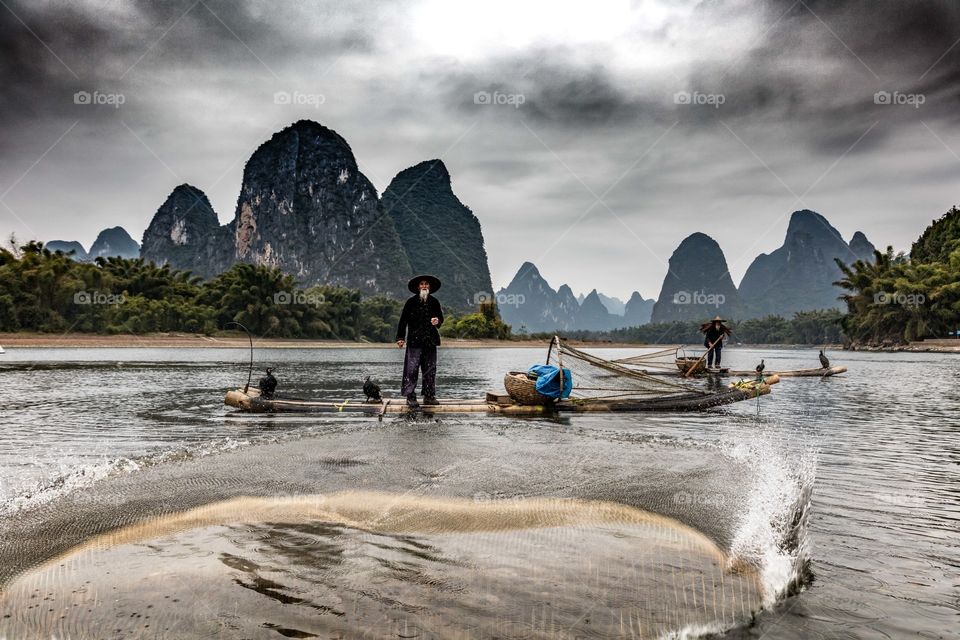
x=372, y=390
x=792, y=373
x=598, y=385
x=824, y=361
x=267, y=384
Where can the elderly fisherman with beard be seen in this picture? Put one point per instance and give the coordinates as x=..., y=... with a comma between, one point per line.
x=418, y=331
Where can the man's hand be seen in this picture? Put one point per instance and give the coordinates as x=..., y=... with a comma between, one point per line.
x=434, y=321
x=400, y=343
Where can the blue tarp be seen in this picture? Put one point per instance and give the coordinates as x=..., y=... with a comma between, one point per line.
x=548, y=380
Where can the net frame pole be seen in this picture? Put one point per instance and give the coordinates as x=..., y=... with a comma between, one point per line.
x=559, y=362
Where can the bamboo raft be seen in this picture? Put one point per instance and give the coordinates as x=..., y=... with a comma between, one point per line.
x=795, y=373
x=669, y=362
x=746, y=373
x=586, y=383
x=250, y=401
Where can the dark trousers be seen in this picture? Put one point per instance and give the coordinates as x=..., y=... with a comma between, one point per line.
x=419, y=359
x=714, y=355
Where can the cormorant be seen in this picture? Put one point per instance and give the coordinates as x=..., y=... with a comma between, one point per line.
x=824, y=362
x=371, y=390
x=267, y=384
x=761, y=366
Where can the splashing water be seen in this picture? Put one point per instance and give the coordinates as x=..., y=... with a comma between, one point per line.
x=772, y=532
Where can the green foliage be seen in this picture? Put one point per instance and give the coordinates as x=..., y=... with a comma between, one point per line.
x=895, y=299
x=379, y=316
x=938, y=240
x=769, y=330
x=484, y=324
x=46, y=291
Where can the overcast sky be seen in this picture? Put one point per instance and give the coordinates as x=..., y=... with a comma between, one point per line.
x=614, y=129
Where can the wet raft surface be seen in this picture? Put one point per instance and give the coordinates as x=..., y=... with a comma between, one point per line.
x=392, y=529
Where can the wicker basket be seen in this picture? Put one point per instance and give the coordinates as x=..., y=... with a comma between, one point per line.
x=684, y=365
x=523, y=390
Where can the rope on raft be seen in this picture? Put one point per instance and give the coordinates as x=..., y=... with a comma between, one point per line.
x=662, y=358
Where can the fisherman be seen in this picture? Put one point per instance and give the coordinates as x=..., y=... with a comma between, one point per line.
x=714, y=333
x=418, y=331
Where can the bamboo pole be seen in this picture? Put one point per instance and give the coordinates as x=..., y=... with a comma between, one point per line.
x=559, y=365
x=695, y=364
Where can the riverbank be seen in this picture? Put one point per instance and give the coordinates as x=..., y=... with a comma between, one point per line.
x=925, y=346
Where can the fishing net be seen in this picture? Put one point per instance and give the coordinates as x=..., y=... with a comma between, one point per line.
x=665, y=358
x=601, y=380
x=670, y=359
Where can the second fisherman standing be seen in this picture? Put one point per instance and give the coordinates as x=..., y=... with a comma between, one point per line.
x=714, y=333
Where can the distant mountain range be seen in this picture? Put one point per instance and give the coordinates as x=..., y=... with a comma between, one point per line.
x=799, y=276
x=439, y=233
x=697, y=284
x=114, y=241
x=305, y=208
x=529, y=304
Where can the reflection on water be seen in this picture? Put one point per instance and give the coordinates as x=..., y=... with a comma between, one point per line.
x=855, y=473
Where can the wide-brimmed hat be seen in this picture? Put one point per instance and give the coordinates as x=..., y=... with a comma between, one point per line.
x=414, y=284
x=718, y=319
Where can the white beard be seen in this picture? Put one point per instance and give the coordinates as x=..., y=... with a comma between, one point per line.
x=423, y=295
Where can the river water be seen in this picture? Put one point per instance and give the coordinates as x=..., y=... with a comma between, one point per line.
x=136, y=505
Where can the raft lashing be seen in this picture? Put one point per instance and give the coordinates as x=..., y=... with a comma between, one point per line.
x=599, y=385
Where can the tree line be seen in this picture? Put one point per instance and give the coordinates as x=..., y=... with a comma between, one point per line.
x=48, y=291
x=805, y=327
x=896, y=298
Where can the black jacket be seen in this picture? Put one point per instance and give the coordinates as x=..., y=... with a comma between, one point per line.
x=415, y=325
x=712, y=334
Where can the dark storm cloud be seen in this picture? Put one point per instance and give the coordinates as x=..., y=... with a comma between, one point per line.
x=797, y=78
x=588, y=98
x=51, y=51
x=822, y=65
x=817, y=64
x=555, y=92
x=881, y=31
